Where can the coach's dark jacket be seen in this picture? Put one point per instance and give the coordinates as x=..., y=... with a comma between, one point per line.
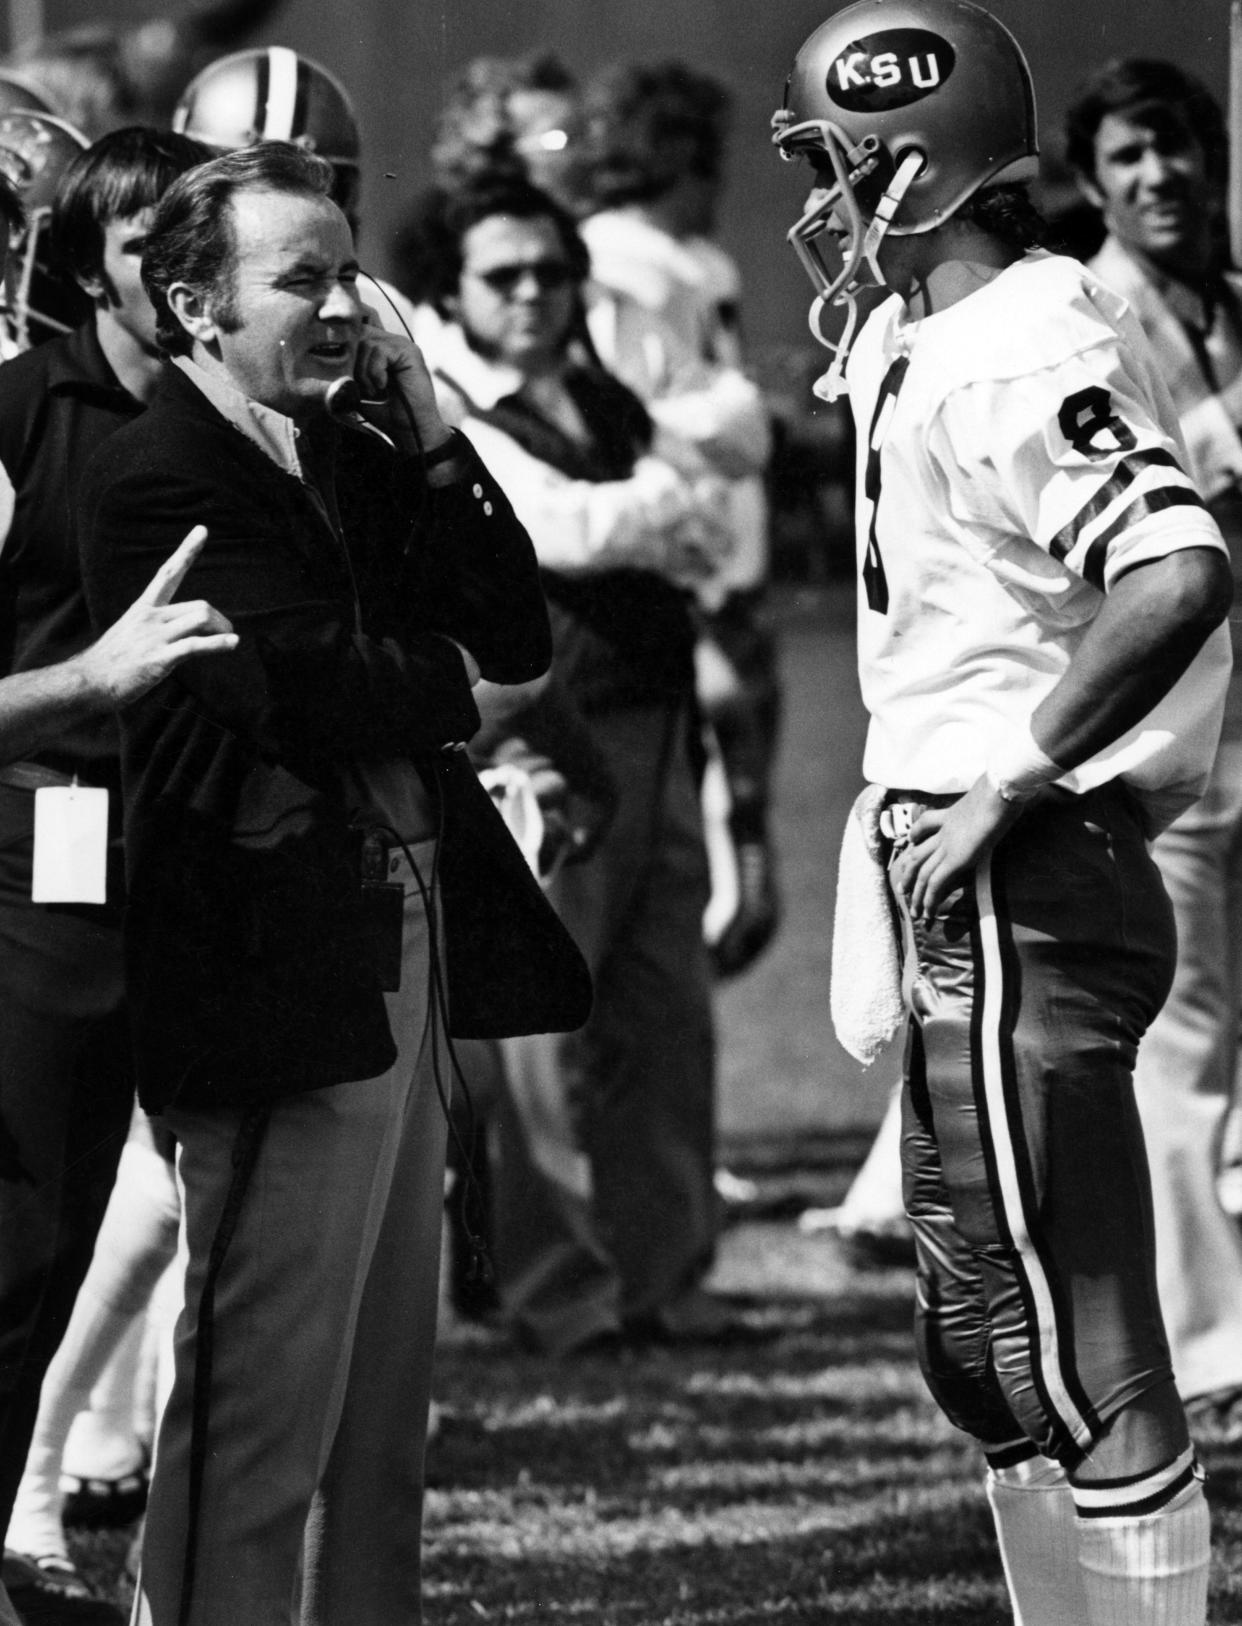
x=250, y=973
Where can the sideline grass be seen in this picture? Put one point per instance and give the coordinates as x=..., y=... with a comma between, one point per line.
x=806, y=1481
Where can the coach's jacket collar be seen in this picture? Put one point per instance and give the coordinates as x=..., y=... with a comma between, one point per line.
x=273, y=433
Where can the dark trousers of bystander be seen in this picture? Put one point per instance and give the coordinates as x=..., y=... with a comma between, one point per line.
x=66, y=1095
x=604, y=1204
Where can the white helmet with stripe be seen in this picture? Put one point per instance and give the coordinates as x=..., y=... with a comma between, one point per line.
x=273, y=94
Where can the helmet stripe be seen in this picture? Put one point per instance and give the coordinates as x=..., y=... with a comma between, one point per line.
x=282, y=94
x=262, y=78
x=300, y=126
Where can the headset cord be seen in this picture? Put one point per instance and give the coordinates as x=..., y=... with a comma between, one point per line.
x=253, y=1125
x=472, y=1209
x=246, y=1147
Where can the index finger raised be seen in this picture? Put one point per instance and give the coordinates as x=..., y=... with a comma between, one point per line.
x=168, y=578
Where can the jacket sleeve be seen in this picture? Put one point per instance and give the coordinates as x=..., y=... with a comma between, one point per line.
x=304, y=683
x=475, y=575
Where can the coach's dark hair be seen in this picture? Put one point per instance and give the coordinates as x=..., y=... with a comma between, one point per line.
x=191, y=238
x=1152, y=93
x=648, y=124
x=121, y=174
x=12, y=215
x=1007, y=213
x=430, y=246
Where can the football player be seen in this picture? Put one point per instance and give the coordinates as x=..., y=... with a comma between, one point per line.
x=1041, y=654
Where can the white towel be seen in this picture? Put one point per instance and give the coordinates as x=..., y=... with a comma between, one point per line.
x=511, y=789
x=866, y=1000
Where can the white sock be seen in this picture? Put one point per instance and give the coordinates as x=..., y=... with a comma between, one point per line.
x=101, y=1443
x=35, y=1528
x=154, y=1379
x=1033, y=1508
x=1147, y=1566
x=136, y=1239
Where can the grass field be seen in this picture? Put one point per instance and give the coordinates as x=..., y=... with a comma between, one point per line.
x=803, y=1481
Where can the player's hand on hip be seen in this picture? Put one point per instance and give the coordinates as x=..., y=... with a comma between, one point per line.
x=947, y=842
x=154, y=635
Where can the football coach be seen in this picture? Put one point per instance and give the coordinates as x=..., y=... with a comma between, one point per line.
x=293, y=811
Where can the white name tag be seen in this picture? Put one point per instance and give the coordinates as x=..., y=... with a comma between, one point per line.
x=70, y=844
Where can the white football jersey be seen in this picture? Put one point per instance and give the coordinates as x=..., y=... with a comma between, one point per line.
x=1016, y=455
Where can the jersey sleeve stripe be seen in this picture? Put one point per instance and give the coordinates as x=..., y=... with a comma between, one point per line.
x=1123, y=476
x=1151, y=502
x=1149, y=480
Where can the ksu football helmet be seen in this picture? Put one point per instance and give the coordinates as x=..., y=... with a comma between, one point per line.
x=274, y=94
x=905, y=109
x=39, y=299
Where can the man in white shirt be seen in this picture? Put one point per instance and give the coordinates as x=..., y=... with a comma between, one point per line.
x=1148, y=144
x=1041, y=653
x=605, y=1213
x=664, y=316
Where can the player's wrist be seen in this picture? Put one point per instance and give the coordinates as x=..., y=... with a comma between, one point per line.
x=1018, y=767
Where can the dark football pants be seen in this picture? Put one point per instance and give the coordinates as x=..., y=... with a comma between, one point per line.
x=1025, y=1175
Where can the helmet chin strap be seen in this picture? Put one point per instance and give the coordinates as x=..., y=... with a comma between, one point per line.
x=832, y=386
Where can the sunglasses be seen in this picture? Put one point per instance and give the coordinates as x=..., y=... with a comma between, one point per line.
x=549, y=275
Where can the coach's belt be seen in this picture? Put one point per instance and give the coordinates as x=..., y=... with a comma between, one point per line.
x=32, y=776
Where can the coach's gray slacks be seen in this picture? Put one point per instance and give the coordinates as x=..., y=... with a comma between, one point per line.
x=325, y=1326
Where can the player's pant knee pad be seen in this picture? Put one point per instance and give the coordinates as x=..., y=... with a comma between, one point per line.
x=962, y=1382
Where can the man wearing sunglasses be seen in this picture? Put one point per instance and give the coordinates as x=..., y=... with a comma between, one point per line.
x=604, y=1221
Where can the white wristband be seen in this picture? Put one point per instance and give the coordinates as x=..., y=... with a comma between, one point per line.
x=1018, y=767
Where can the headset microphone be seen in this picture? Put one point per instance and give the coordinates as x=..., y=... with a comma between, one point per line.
x=343, y=401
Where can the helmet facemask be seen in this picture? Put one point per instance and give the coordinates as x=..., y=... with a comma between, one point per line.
x=856, y=209
x=38, y=298
x=909, y=107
